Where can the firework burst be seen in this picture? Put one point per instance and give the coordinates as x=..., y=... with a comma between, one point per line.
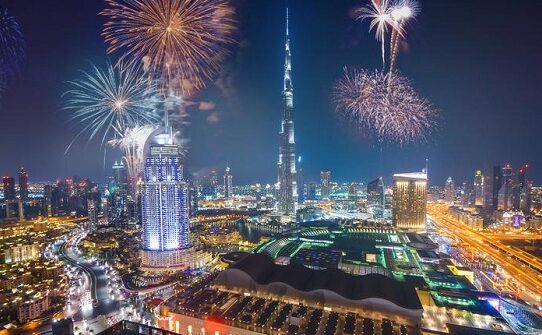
x=386, y=105
x=12, y=47
x=109, y=101
x=180, y=42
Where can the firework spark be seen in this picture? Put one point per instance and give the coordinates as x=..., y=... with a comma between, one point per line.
x=132, y=144
x=180, y=42
x=12, y=47
x=386, y=105
x=109, y=101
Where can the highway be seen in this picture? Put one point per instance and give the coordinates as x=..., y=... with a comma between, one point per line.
x=521, y=266
x=102, y=303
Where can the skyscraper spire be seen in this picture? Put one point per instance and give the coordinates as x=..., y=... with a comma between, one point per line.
x=287, y=197
x=287, y=22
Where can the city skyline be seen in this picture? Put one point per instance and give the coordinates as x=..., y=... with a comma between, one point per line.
x=255, y=96
x=153, y=181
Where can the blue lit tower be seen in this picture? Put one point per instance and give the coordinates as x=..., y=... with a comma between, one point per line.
x=287, y=195
x=164, y=204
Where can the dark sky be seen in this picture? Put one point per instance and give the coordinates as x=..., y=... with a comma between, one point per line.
x=478, y=61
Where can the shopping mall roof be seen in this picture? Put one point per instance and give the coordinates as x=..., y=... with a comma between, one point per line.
x=259, y=272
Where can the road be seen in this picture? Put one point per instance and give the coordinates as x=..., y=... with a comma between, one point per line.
x=522, y=267
x=103, y=304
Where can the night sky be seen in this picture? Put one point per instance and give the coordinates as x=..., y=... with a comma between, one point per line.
x=478, y=61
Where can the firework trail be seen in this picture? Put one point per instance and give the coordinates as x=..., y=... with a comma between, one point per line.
x=392, y=16
x=402, y=12
x=109, y=101
x=12, y=48
x=180, y=42
x=386, y=105
x=379, y=13
x=132, y=144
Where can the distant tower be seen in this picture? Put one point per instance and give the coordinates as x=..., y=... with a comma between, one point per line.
x=508, y=183
x=48, y=199
x=521, y=192
x=23, y=184
x=213, y=182
x=479, y=188
x=119, y=172
x=325, y=184
x=376, y=198
x=492, y=185
x=164, y=203
x=228, y=183
x=449, y=191
x=409, y=201
x=287, y=195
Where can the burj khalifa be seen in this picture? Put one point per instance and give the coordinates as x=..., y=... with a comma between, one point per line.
x=287, y=188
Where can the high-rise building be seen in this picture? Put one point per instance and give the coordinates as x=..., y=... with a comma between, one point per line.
x=287, y=184
x=311, y=191
x=48, y=199
x=9, y=188
x=479, y=188
x=119, y=173
x=92, y=212
x=521, y=191
x=506, y=190
x=376, y=198
x=164, y=202
x=409, y=201
x=449, y=190
x=300, y=182
x=492, y=186
x=227, y=183
x=23, y=184
x=325, y=184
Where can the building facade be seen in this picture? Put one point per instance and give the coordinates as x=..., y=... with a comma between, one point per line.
x=376, y=198
x=325, y=184
x=228, y=178
x=23, y=184
x=164, y=204
x=409, y=201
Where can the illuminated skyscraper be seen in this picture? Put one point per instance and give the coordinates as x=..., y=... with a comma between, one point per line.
x=287, y=191
x=228, y=183
x=492, y=186
x=521, y=191
x=325, y=184
x=409, y=201
x=376, y=198
x=449, y=190
x=164, y=202
x=23, y=184
x=479, y=188
x=507, y=183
